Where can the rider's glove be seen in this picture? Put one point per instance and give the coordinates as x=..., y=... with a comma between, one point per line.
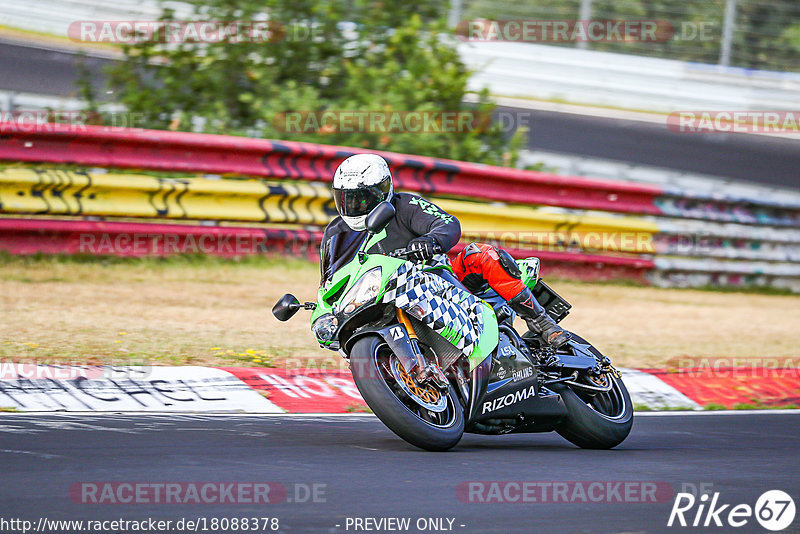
x=423, y=248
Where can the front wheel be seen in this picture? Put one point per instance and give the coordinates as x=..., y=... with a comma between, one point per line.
x=601, y=421
x=420, y=414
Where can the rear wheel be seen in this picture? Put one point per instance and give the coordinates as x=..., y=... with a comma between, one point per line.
x=419, y=413
x=600, y=413
x=600, y=421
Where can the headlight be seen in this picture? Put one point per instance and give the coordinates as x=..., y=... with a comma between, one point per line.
x=325, y=328
x=365, y=291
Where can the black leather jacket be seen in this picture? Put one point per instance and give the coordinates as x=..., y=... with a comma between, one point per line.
x=415, y=217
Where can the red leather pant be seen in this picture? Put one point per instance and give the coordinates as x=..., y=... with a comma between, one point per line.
x=479, y=264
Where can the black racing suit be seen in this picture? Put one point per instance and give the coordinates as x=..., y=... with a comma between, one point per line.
x=415, y=217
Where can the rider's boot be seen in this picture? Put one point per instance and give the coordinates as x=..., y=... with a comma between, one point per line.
x=537, y=319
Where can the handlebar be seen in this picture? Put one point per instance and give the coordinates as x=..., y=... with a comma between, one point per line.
x=402, y=253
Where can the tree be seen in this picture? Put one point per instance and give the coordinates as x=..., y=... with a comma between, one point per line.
x=337, y=55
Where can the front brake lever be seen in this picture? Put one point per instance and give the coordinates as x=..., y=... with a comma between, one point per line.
x=399, y=253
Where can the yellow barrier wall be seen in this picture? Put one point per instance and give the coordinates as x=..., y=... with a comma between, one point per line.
x=50, y=191
x=523, y=225
x=68, y=192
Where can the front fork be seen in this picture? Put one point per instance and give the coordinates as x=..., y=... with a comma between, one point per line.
x=426, y=371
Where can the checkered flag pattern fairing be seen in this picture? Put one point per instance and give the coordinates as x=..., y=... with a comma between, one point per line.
x=449, y=311
x=440, y=260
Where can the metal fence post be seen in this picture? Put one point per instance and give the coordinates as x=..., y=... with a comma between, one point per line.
x=727, y=33
x=8, y=103
x=584, y=15
x=454, y=16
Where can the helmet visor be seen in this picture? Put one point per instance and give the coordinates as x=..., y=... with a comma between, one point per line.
x=361, y=201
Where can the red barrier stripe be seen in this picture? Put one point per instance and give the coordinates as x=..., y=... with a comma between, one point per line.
x=316, y=390
x=304, y=390
x=74, y=236
x=219, y=154
x=729, y=386
x=66, y=236
x=573, y=257
x=587, y=267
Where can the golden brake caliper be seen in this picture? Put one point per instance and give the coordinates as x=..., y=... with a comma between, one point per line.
x=426, y=371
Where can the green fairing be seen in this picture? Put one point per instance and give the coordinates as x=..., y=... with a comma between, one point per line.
x=529, y=275
x=488, y=340
x=350, y=273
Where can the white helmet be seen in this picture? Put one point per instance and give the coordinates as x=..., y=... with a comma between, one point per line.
x=361, y=182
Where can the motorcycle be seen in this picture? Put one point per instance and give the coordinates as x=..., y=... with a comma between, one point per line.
x=433, y=361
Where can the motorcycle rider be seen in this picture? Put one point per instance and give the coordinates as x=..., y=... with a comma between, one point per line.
x=362, y=181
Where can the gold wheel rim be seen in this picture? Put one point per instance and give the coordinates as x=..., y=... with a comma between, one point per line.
x=427, y=393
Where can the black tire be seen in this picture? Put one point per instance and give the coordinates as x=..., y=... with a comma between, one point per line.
x=589, y=428
x=371, y=380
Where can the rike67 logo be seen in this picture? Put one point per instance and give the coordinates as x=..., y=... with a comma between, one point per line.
x=774, y=510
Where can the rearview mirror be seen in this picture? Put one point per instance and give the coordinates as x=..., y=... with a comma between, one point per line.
x=285, y=308
x=379, y=217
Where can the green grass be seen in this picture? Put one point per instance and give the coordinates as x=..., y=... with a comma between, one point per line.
x=556, y=100
x=712, y=406
x=750, y=290
x=208, y=310
x=266, y=261
x=759, y=406
x=745, y=290
x=645, y=408
x=357, y=408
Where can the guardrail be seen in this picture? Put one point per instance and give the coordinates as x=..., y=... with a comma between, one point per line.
x=595, y=228
x=51, y=191
x=47, y=191
x=70, y=236
x=621, y=80
x=130, y=239
x=205, y=153
x=55, y=16
x=670, y=179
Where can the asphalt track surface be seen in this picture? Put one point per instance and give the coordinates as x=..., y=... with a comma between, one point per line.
x=768, y=160
x=46, y=71
x=368, y=472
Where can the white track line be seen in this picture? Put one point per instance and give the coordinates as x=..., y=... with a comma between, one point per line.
x=715, y=412
x=191, y=414
x=369, y=415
